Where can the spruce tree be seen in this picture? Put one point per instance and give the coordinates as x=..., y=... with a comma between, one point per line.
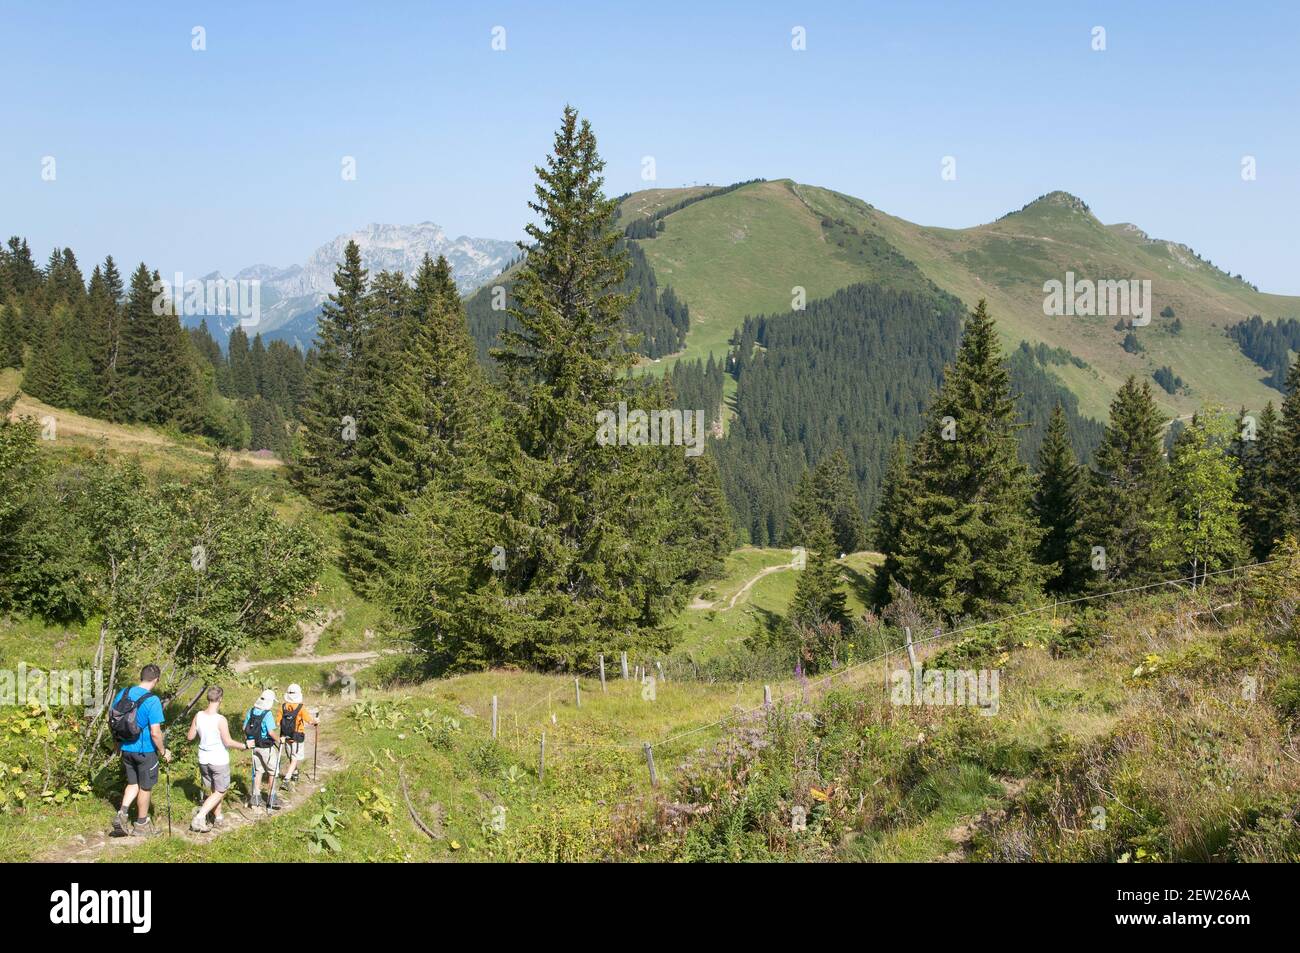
x=805, y=507
x=48, y=373
x=1056, y=507
x=329, y=461
x=967, y=539
x=896, y=494
x=11, y=336
x=433, y=407
x=243, y=382
x=1203, y=488
x=1260, y=455
x=818, y=596
x=1127, y=521
x=1286, y=472
x=838, y=493
x=594, y=554
x=104, y=340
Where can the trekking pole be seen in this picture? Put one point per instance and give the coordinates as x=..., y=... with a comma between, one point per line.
x=167, y=771
x=315, y=750
x=275, y=776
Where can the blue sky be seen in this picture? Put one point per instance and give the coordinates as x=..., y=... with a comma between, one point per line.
x=230, y=156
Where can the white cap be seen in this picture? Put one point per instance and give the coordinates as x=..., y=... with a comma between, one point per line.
x=266, y=700
x=293, y=694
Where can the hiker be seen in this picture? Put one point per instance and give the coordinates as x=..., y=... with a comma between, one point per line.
x=135, y=720
x=294, y=721
x=213, y=732
x=262, y=739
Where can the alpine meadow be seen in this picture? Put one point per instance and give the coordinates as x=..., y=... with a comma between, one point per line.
x=667, y=507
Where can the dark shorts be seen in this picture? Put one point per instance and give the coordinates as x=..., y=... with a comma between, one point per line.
x=141, y=769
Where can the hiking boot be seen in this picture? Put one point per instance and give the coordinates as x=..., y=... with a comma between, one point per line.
x=218, y=822
x=143, y=828
x=119, y=824
x=273, y=804
x=199, y=825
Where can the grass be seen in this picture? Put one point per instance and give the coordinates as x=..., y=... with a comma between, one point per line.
x=741, y=254
x=1175, y=746
x=706, y=633
x=75, y=433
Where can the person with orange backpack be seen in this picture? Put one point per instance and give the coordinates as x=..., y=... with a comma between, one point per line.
x=294, y=722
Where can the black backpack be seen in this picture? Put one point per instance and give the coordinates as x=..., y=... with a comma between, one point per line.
x=122, y=723
x=289, y=724
x=255, y=728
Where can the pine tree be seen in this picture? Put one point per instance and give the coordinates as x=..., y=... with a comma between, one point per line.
x=805, y=507
x=828, y=490
x=594, y=548
x=328, y=462
x=104, y=340
x=1286, y=472
x=1260, y=455
x=431, y=410
x=1127, y=522
x=11, y=336
x=818, y=596
x=48, y=373
x=967, y=539
x=243, y=381
x=896, y=494
x=1203, y=488
x=838, y=493
x=1056, y=507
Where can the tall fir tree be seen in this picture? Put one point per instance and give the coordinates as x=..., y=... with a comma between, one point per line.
x=818, y=595
x=589, y=531
x=431, y=413
x=328, y=462
x=838, y=491
x=1287, y=474
x=243, y=382
x=967, y=537
x=1259, y=450
x=11, y=336
x=896, y=493
x=1127, y=523
x=1056, y=507
x=805, y=507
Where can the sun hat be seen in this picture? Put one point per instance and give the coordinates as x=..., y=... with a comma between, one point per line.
x=293, y=694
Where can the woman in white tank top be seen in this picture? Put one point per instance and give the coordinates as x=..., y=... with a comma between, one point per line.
x=212, y=747
x=213, y=732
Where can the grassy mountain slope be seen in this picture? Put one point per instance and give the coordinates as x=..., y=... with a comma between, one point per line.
x=742, y=253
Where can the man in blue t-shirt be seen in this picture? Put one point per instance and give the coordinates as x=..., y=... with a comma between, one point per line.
x=140, y=757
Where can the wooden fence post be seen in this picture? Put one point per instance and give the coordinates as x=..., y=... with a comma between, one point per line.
x=650, y=763
x=577, y=693
x=602, y=671
x=767, y=696
x=625, y=666
x=541, y=759
x=660, y=666
x=911, y=651
x=494, y=718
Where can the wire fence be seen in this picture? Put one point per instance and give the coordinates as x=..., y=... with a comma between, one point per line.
x=647, y=747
